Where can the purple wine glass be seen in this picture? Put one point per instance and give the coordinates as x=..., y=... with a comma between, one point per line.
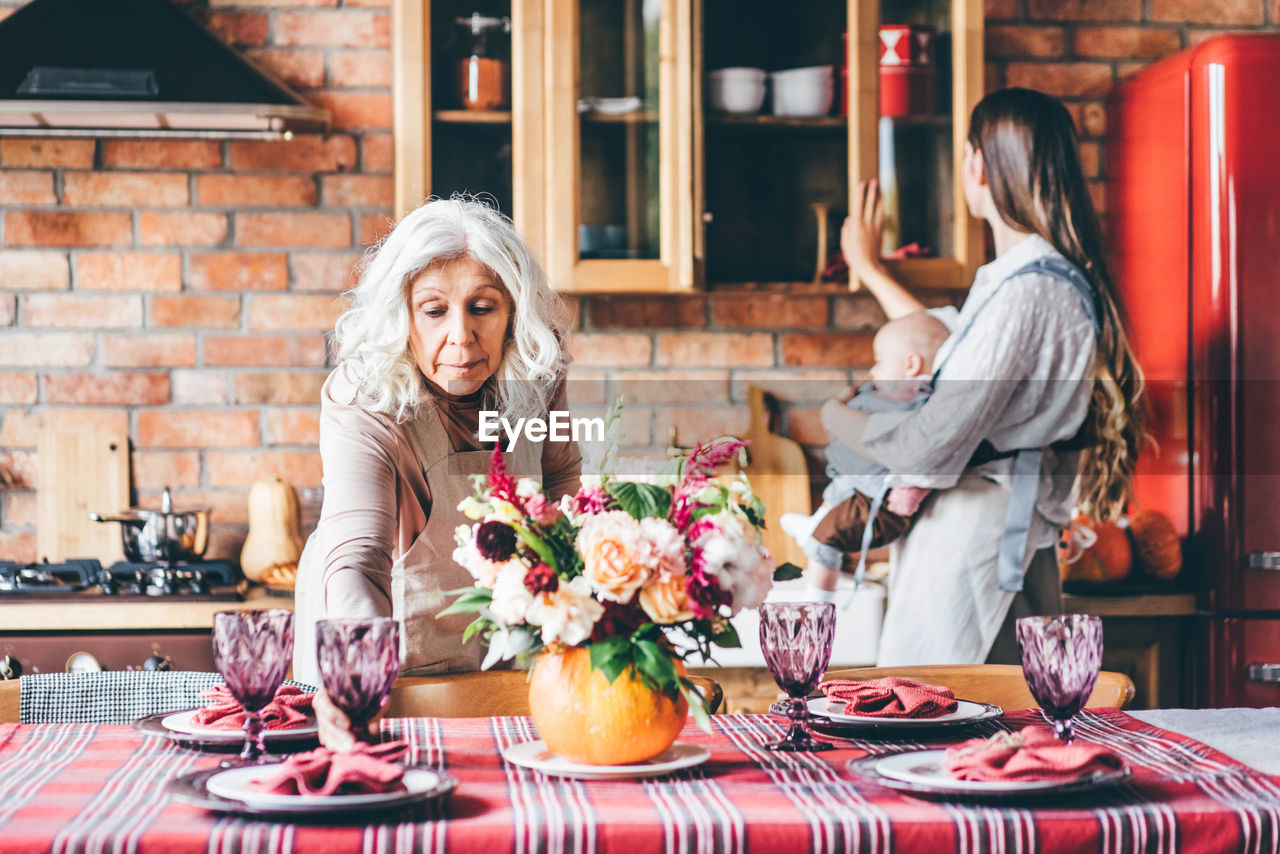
x=1061, y=657
x=253, y=651
x=359, y=661
x=796, y=638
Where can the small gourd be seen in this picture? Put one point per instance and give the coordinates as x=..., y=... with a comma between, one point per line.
x=274, y=543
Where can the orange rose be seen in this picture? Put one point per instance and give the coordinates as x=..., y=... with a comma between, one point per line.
x=664, y=599
x=610, y=545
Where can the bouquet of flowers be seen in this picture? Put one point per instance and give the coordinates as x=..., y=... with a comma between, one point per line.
x=640, y=573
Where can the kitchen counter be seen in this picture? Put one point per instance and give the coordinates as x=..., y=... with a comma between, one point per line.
x=107, y=615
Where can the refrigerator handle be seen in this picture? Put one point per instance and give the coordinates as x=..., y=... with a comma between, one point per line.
x=1263, y=673
x=1263, y=560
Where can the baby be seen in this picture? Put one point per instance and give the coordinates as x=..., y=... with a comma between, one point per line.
x=904, y=351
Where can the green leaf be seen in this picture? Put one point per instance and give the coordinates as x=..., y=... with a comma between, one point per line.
x=472, y=600
x=640, y=500
x=611, y=656
x=697, y=705
x=754, y=514
x=727, y=637
x=786, y=572
x=534, y=542
x=476, y=626
x=656, y=668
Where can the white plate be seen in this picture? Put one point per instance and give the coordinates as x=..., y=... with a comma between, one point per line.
x=833, y=710
x=181, y=722
x=534, y=754
x=610, y=106
x=234, y=784
x=923, y=769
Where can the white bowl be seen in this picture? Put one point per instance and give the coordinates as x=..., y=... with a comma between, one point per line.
x=735, y=90
x=803, y=91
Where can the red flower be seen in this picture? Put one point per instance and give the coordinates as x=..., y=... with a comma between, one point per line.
x=541, y=579
x=501, y=484
x=496, y=541
x=590, y=500
x=618, y=619
x=705, y=596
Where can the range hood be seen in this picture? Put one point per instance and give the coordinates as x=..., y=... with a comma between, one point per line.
x=136, y=68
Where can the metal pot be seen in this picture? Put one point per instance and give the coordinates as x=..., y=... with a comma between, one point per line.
x=161, y=536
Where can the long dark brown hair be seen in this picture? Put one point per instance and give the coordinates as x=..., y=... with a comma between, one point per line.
x=1027, y=141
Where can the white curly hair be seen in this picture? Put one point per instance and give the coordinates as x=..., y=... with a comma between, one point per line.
x=373, y=333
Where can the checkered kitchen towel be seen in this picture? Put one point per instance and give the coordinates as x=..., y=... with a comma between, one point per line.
x=113, y=696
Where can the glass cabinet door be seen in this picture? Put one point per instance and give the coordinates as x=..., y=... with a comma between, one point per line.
x=919, y=72
x=775, y=140
x=797, y=106
x=463, y=75
x=614, y=214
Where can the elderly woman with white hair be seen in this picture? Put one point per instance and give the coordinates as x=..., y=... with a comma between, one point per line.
x=452, y=316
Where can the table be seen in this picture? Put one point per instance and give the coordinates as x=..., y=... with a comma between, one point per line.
x=76, y=787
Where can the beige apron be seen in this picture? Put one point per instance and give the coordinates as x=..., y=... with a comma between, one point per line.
x=421, y=576
x=945, y=606
x=426, y=571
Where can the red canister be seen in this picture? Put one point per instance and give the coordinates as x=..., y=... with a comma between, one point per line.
x=906, y=44
x=908, y=74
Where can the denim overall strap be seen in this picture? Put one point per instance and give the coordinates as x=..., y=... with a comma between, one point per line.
x=1027, y=462
x=868, y=533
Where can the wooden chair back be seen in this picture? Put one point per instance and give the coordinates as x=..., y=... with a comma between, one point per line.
x=482, y=694
x=10, y=700
x=1001, y=684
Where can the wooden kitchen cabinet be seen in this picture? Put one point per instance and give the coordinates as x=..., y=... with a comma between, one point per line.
x=622, y=178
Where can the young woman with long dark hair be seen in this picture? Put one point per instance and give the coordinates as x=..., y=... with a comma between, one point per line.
x=1038, y=406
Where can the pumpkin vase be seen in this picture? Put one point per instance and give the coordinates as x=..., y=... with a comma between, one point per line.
x=582, y=717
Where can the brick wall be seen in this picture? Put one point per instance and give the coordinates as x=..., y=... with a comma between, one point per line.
x=181, y=290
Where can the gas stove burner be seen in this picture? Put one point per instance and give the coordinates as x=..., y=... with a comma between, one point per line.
x=48, y=577
x=160, y=579
x=211, y=579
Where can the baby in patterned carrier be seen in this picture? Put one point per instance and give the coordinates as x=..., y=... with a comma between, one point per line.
x=851, y=518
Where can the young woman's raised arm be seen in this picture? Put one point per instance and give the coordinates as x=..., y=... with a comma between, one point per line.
x=860, y=243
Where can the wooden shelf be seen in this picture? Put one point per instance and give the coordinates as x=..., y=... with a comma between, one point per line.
x=765, y=121
x=635, y=117
x=472, y=117
x=1138, y=605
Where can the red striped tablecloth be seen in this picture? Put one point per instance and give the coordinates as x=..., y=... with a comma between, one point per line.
x=82, y=788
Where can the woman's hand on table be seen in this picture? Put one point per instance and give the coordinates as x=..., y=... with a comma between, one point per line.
x=335, y=727
x=860, y=236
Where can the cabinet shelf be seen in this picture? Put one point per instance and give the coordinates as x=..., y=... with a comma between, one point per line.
x=762, y=120
x=472, y=117
x=636, y=117
x=933, y=121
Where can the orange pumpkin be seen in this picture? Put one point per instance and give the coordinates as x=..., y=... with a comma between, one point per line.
x=1156, y=544
x=1110, y=558
x=581, y=716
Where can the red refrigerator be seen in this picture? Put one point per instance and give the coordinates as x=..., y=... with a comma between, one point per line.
x=1193, y=208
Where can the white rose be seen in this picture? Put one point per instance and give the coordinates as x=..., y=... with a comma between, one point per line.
x=511, y=599
x=527, y=487
x=567, y=615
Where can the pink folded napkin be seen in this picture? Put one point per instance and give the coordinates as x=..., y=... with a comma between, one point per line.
x=366, y=769
x=289, y=710
x=891, y=697
x=1033, y=754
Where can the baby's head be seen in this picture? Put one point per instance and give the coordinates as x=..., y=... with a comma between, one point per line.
x=904, y=348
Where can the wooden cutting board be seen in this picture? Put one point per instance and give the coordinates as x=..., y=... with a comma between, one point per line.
x=80, y=472
x=779, y=475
